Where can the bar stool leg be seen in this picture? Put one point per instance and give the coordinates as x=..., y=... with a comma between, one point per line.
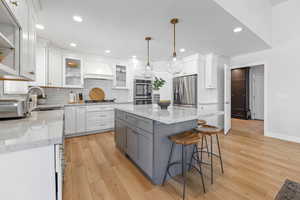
x=183, y=152
x=169, y=161
x=211, y=160
x=201, y=174
x=220, y=156
x=194, y=150
x=201, y=148
x=206, y=145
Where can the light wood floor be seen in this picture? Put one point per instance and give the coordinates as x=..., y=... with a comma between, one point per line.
x=248, y=126
x=255, y=168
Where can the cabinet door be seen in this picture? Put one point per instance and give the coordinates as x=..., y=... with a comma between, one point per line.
x=70, y=120
x=54, y=68
x=120, y=135
x=24, y=48
x=80, y=119
x=22, y=172
x=132, y=144
x=40, y=79
x=31, y=70
x=211, y=71
x=72, y=72
x=145, y=149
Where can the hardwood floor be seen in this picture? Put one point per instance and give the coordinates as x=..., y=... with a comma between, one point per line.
x=248, y=126
x=255, y=168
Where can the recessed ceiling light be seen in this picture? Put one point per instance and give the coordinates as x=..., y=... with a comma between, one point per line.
x=182, y=50
x=107, y=51
x=40, y=26
x=133, y=56
x=72, y=44
x=238, y=29
x=77, y=18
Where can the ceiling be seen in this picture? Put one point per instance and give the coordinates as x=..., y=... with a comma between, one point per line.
x=275, y=2
x=121, y=26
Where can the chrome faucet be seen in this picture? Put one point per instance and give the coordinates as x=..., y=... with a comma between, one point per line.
x=41, y=90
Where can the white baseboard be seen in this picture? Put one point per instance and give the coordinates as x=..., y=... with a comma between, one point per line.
x=283, y=137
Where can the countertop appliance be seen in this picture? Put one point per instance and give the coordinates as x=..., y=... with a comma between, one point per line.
x=185, y=90
x=142, y=91
x=12, y=108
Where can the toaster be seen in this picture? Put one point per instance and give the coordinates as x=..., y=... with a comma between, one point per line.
x=12, y=108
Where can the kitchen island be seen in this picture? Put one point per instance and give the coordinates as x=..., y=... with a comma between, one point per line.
x=141, y=132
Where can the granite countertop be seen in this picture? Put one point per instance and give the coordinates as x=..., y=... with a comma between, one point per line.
x=42, y=128
x=174, y=114
x=100, y=103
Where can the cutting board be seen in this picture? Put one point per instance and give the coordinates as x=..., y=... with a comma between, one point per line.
x=97, y=94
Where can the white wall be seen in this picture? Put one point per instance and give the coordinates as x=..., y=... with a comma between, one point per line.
x=255, y=14
x=281, y=73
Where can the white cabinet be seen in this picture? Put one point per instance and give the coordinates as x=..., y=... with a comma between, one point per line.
x=41, y=66
x=28, y=174
x=54, y=67
x=80, y=119
x=92, y=118
x=211, y=75
x=72, y=72
x=120, y=77
x=70, y=120
x=99, y=118
x=190, y=65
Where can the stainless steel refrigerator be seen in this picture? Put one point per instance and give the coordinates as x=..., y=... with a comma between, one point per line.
x=185, y=91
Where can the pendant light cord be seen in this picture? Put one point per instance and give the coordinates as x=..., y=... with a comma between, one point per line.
x=148, y=53
x=174, y=50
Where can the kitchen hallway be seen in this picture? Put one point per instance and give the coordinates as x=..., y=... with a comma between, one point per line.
x=97, y=170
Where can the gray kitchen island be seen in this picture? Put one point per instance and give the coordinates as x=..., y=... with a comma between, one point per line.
x=141, y=133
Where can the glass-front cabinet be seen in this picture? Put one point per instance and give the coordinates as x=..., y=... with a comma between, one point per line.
x=120, y=77
x=9, y=42
x=73, y=73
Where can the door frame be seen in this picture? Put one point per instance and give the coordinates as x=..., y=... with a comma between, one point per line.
x=265, y=64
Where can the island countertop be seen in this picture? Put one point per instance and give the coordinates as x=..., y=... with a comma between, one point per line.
x=174, y=114
x=40, y=129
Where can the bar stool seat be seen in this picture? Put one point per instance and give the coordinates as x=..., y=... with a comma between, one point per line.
x=201, y=122
x=184, y=139
x=208, y=130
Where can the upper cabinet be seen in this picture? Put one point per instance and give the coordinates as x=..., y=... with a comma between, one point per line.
x=54, y=68
x=211, y=76
x=10, y=32
x=17, y=38
x=190, y=65
x=72, y=72
x=120, y=81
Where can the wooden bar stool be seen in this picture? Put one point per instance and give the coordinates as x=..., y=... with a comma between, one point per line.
x=201, y=122
x=184, y=139
x=207, y=130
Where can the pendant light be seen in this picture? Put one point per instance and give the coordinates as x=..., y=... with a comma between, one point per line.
x=174, y=67
x=148, y=68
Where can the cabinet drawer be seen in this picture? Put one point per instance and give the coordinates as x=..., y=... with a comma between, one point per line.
x=101, y=115
x=100, y=125
x=99, y=108
x=139, y=122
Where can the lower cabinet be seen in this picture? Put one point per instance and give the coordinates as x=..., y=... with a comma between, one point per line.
x=145, y=152
x=87, y=119
x=29, y=174
x=137, y=143
x=132, y=144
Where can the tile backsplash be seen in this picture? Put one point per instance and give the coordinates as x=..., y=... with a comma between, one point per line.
x=61, y=95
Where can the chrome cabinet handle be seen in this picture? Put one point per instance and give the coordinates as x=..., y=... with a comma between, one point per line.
x=15, y=3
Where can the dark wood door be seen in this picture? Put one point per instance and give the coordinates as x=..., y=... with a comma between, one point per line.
x=240, y=93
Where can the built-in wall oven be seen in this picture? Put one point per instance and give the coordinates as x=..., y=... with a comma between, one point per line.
x=142, y=91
